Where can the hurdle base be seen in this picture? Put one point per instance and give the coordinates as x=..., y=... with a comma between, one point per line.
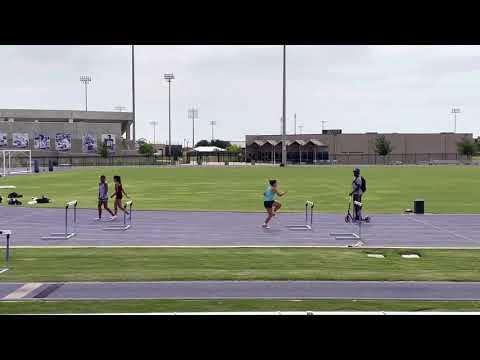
x=345, y=236
x=117, y=227
x=58, y=236
x=299, y=227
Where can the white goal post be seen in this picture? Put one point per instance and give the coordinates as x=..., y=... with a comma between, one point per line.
x=15, y=162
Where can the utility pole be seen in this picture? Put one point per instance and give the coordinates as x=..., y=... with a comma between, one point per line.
x=295, y=124
x=284, y=116
x=154, y=124
x=169, y=78
x=301, y=128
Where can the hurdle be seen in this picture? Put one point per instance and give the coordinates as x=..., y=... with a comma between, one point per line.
x=123, y=226
x=7, y=234
x=307, y=225
x=66, y=234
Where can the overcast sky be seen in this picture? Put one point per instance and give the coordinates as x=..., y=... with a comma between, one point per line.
x=354, y=88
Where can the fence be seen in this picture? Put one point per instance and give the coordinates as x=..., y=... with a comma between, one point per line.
x=361, y=159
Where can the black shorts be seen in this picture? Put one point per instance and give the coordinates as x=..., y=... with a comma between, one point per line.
x=268, y=204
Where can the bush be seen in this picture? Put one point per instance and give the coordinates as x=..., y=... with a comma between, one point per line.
x=383, y=147
x=146, y=149
x=235, y=149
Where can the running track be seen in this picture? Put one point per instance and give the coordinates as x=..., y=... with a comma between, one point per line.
x=243, y=290
x=162, y=228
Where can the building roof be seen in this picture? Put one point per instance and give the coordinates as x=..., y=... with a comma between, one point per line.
x=30, y=115
x=208, y=149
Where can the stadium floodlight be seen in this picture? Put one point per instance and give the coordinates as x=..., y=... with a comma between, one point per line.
x=192, y=114
x=169, y=77
x=455, y=111
x=154, y=124
x=213, y=123
x=85, y=79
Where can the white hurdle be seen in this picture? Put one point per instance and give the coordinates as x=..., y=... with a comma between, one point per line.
x=66, y=234
x=7, y=234
x=306, y=226
x=123, y=226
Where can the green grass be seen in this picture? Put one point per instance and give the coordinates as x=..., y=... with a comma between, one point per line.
x=150, y=264
x=390, y=189
x=149, y=306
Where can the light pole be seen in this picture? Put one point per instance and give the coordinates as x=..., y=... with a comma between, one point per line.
x=300, y=127
x=84, y=79
x=213, y=123
x=154, y=124
x=133, y=91
x=284, y=138
x=455, y=111
x=169, y=78
x=192, y=114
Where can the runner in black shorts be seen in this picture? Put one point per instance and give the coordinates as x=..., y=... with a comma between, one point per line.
x=269, y=202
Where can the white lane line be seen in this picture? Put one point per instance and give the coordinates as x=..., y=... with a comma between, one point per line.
x=22, y=291
x=442, y=229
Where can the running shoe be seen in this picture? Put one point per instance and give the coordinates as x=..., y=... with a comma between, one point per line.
x=265, y=226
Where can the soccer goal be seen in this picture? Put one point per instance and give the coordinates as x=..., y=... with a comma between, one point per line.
x=15, y=162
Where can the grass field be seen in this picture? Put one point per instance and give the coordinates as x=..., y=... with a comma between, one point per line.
x=155, y=264
x=149, y=306
x=445, y=189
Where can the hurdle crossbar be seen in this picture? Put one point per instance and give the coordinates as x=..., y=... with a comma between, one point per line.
x=123, y=226
x=7, y=234
x=307, y=225
x=66, y=234
x=350, y=236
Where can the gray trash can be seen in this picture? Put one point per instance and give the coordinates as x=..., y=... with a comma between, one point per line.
x=50, y=165
x=35, y=166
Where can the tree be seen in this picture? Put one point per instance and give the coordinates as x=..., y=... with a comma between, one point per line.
x=146, y=149
x=383, y=147
x=234, y=149
x=202, y=143
x=466, y=147
x=103, y=151
x=141, y=141
x=220, y=143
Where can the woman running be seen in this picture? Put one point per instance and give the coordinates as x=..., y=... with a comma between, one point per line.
x=269, y=202
x=119, y=192
x=103, y=198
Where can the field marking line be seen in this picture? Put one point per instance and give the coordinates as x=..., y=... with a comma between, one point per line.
x=22, y=291
x=442, y=230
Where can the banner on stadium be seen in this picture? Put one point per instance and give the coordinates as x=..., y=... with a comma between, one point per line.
x=41, y=142
x=20, y=140
x=63, y=142
x=89, y=143
x=108, y=140
x=3, y=139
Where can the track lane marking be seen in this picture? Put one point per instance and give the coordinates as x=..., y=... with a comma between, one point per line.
x=22, y=291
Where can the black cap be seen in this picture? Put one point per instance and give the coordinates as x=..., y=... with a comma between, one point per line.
x=356, y=170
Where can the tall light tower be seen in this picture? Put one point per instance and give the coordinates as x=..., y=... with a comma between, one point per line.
x=169, y=78
x=192, y=114
x=284, y=116
x=85, y=79
x=213, y=123
x=154, y=124
x=133, y=91
x=455, y=111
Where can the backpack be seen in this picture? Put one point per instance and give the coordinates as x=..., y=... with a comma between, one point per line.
x=43, y=200
x=364, y=185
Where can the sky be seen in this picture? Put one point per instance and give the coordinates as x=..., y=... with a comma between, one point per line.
x=353, y=88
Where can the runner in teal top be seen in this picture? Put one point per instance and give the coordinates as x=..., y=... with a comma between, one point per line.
x=269, y=202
